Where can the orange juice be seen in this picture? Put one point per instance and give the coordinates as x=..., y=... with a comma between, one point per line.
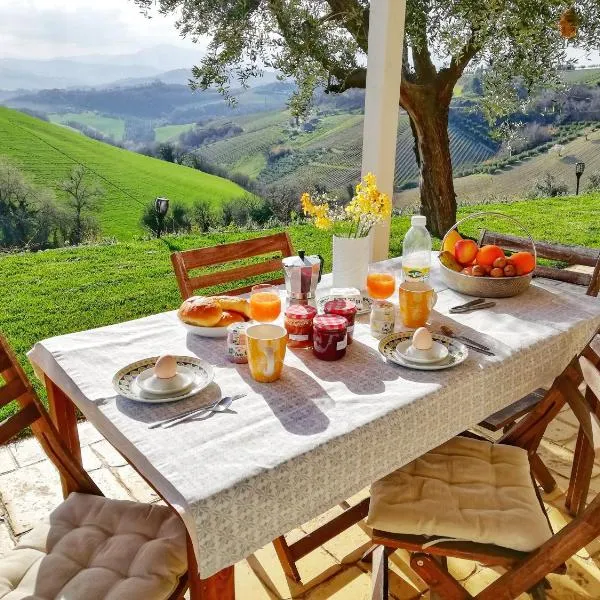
x=417, y=298
x=265, y=306
x=380, y=285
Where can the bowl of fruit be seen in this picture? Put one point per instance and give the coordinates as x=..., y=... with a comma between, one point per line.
x=485, y=270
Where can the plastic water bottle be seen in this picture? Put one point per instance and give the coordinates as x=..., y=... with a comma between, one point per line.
x=416, y=251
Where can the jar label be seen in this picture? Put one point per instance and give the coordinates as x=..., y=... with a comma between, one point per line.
x=343, y=343
x=297, y=337
x=350, y=329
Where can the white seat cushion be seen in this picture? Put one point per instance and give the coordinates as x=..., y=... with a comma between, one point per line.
x=92, y=548
x=466, y=489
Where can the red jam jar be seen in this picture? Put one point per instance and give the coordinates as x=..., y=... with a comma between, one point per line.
x=299, y=325
x=330, y=337
x=343, y=308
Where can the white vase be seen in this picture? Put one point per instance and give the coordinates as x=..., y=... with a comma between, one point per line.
x=351, y=261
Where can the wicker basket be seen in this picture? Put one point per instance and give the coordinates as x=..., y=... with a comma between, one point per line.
x=487, y=287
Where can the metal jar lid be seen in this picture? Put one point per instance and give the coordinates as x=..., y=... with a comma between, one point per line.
x=331, y=323
x=301, y=312
x=340, y=306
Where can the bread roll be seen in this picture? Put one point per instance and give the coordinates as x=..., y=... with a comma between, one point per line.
x=200, y=311
x=228, y=317
x=235, y=303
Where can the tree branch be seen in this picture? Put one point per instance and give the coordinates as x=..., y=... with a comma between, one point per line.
x=343, y=12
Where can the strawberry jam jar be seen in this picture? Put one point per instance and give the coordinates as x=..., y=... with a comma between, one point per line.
x=330, y=337
x=343, y=308
x=299, y=325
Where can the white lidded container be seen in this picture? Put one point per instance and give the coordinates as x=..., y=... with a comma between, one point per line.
x=416, y=250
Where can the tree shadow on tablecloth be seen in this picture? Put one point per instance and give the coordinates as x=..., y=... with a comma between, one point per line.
x=297, y=400
x=363, y=370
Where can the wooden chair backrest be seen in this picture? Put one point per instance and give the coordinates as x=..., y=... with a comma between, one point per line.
x=15, y=386
x=184, y=262
x=572, y=255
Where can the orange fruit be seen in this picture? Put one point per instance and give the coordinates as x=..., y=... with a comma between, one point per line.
x=451, y=238
x=465, y=251
x=523, y=262
x=488, y=254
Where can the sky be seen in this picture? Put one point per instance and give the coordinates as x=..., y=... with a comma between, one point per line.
x=56, y=28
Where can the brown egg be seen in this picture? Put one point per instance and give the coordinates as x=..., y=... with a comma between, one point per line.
x=165, y=367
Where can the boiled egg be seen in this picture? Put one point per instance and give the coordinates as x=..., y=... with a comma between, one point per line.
x=165, y=367
x=422, y=339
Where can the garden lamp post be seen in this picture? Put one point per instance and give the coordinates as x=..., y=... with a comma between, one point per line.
x=579, y=169
x=161, y=205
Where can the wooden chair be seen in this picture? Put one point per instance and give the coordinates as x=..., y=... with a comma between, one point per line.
x=184, y=262
x=525, y=570
x=89, y=544
x=572, y=255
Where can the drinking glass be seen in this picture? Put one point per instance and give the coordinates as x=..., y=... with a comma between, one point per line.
x=381, y=282
x=265, y=303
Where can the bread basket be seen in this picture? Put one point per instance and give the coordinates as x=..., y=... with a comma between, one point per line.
x=487, y=287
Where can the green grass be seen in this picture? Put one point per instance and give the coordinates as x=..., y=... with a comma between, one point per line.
x=110, y=126
x=60, y=291
x=169, y=132
x=47, y=152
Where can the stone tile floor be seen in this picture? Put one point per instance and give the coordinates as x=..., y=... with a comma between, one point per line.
x=29, y=487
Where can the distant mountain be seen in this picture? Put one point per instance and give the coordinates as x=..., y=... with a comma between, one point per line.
x=95, y=70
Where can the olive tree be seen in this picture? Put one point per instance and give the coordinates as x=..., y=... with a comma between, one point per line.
x=518, y=43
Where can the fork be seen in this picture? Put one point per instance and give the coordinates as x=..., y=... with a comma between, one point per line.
x=193, y=412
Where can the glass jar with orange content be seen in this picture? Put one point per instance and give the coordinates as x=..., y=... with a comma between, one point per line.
x=343, y=308
x=299, y=325
x=330, y=337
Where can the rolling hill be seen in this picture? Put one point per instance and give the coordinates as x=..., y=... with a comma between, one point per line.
x=47, y=152
x=516, y=181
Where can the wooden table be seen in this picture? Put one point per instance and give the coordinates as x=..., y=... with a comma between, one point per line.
x=366, y=410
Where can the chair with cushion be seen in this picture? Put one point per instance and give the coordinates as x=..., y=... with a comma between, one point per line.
x=90, y=547
x=267, y=246
x=475, y=499
x=570, y=255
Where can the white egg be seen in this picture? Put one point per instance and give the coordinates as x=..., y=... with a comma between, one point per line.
x=165, y=367
x=422, y=339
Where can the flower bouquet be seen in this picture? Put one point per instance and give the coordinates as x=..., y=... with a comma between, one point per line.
x=351, y=225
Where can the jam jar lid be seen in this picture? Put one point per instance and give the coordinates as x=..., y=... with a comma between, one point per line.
x=331, y=323
x=340, y=306
x=300, y=311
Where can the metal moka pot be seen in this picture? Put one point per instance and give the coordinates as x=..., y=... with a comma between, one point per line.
x=302, y=274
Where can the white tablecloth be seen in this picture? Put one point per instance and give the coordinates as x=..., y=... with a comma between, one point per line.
x=295, y=448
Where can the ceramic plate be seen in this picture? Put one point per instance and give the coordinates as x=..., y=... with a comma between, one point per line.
x=440, y=352
x=182, y=383
x=125, y=380
x=457, y=352
x=212, y=332
x=366, y=302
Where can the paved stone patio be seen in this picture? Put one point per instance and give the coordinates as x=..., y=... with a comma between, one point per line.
x=29, y=487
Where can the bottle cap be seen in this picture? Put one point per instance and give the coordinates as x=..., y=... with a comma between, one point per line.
x=418, y=221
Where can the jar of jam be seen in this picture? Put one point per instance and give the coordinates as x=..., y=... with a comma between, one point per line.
x=330, y=337
x=343, y=308
x=383, y=319
x=299, y=325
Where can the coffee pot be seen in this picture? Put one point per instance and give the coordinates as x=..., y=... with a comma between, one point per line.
x=302, y=274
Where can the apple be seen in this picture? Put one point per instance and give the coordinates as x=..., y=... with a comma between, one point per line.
x=465, y=251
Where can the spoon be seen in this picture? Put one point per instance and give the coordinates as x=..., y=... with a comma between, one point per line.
x=466, y=341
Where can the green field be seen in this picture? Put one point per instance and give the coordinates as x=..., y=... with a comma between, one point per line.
x=110, y=126
x=60, y=291
x=165, y=133
x=47, y=152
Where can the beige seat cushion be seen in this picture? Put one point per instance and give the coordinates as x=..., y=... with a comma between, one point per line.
x=92, y=548
x=466, y=489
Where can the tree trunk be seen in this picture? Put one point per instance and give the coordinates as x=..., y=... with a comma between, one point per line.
x=429, y=114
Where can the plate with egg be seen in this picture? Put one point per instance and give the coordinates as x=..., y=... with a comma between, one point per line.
x=423, y=350
x=209, y=316
x=164, y=378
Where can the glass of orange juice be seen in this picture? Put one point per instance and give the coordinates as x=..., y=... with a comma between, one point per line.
x=381, y=282
x=265, y=303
